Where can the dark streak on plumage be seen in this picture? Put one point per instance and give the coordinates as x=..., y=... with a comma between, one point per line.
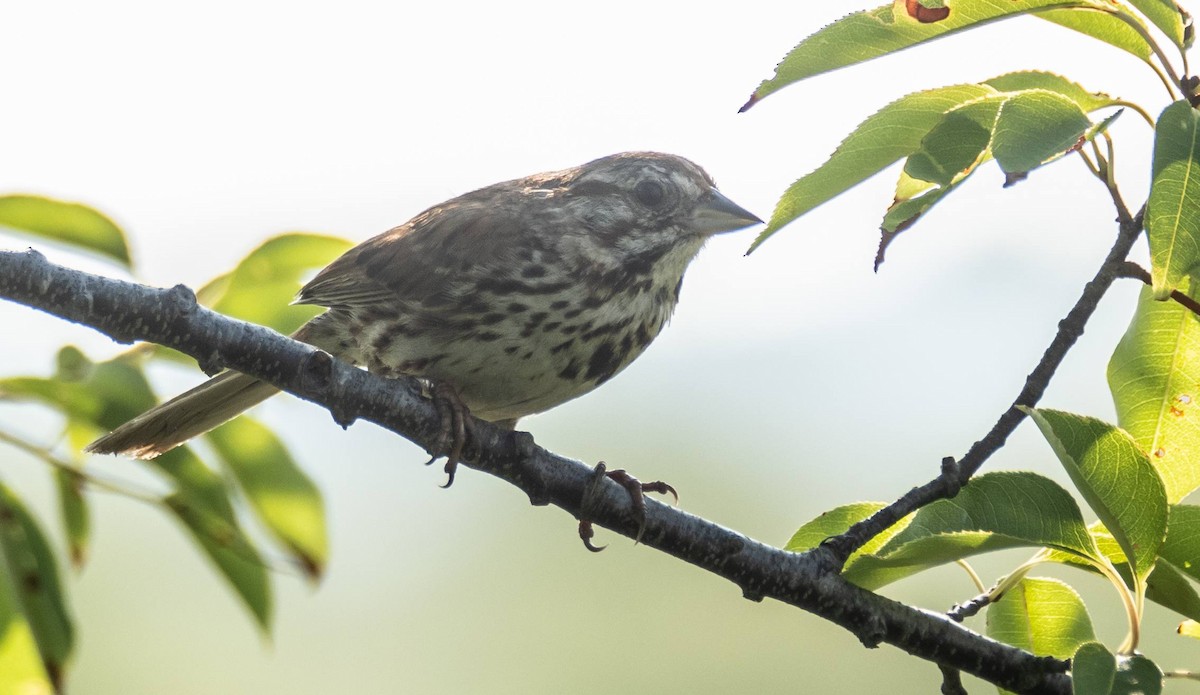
x=569, y=372
x=603, y=363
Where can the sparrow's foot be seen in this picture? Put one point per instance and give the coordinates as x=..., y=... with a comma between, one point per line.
x=637, y=491
x=456, y=427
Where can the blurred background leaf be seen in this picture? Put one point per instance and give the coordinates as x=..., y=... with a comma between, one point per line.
x=68, y=223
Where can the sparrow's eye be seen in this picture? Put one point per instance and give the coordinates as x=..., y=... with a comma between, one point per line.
x=649, y=193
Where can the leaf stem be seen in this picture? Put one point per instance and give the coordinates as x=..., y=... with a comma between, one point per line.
x=1136, y=109
x=972, y=574
x=1174, y=84
x=123, y=488
x=1132, y=611
x=1136, y=272
x=1087, y=161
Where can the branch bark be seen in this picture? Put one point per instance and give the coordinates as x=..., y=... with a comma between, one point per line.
x=955, y=474
x=127, y=311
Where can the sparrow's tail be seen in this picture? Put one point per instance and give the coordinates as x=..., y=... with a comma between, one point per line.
x=187, y=415
x=201, y=409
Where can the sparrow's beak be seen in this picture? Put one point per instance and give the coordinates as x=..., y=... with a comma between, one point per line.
x=718, y=214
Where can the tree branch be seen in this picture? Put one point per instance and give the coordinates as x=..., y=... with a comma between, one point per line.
x=127, y=311
x=955, y=474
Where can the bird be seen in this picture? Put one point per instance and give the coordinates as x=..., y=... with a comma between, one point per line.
x=511, y=299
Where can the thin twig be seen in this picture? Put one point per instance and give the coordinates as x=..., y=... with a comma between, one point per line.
x=144, y=495
x=955, y=475
x=123, y=488
x=952, y=681
x=961, y=611
x=952, y=677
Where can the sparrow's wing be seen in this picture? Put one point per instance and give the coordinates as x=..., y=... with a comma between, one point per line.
x=417, y=263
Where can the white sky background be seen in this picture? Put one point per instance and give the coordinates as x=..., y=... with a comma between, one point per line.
x=789, y=382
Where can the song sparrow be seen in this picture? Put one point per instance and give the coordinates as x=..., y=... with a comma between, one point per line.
x=517, y=297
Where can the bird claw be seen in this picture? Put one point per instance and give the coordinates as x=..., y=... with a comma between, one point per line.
x=636, y=490
x=586, y=533
x=455, y=428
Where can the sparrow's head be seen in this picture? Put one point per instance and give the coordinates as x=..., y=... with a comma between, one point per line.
x=643, y=206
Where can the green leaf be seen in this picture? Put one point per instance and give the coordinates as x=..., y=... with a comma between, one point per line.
x=1043, y=616
x=956, y=143
x=904, y=213
x=72, y=399
x=1137, y=675
x=1154, y=375
x=837, y=521
x=1034, y=127
x=892, y=133
x=260, y=289
x=107, y=394
x=1106, y=27
x=284, y=498
x=70, y=223
x=1173, y=210
x=949, y=153
x=1024, y=129
x=202, y=503
x=21, y=669
x=1166, y=585
x=1093, y=670
x=1166, y=15
x=1115, y=477
x=995, y=511
x=1182, y=546
x=196, y=483
x=73, y=509
x=1190, y=628
x=870, y=34
x=34, y=575
x=234, y=556
x=122, y=389
x=1023, y=506
x=1047, y=81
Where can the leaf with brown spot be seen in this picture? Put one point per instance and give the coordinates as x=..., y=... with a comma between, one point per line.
x=926, y=14
x=871, y=34
x=1154, y=375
